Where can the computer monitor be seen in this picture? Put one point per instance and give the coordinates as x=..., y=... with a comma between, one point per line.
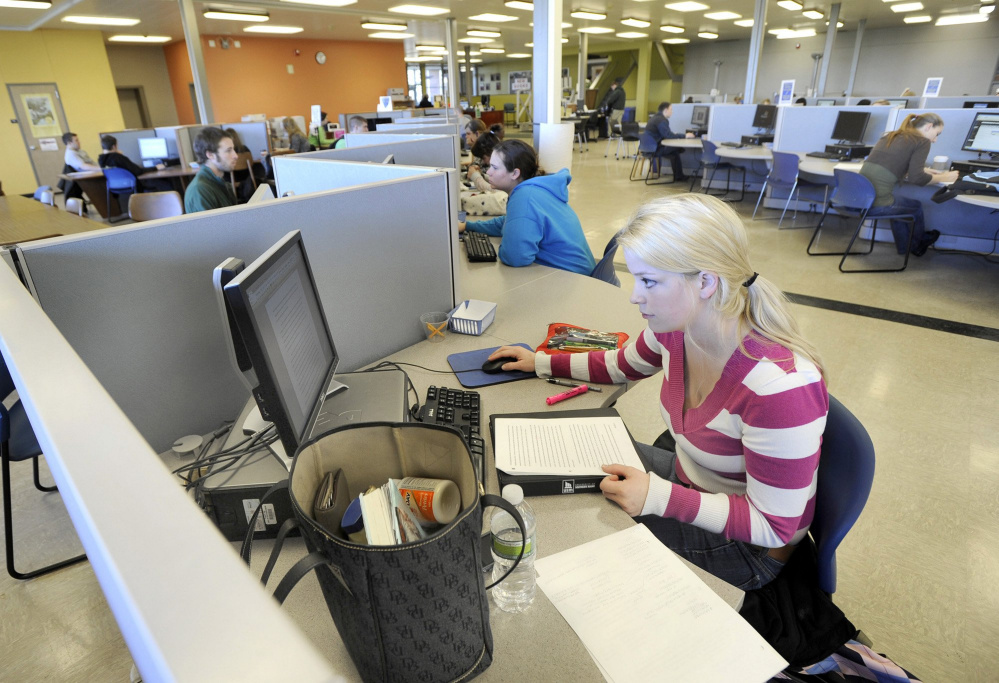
x=822, y=102
x=277, y=313
x=981, y=105
x=766, y=116
x=238, y=355
x=484, y=100
x=151, y=149
x=699, y=117
x=983, y=136
x=898, y=103
x=850, y=126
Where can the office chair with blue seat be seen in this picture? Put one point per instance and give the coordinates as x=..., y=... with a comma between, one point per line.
x=118, y=181
x=647, y=147
x=711, y=160
x=783, y=176
x=18, y=443
x=853, y=197
x=605, y=268
x=846, y=473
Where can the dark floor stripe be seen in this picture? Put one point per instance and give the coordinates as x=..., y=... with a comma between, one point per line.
x=937, y=324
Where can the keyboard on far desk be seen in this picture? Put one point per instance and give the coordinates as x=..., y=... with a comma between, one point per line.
x=478, y=247
x=828, y=155
x=460, y=411
x=734, y=145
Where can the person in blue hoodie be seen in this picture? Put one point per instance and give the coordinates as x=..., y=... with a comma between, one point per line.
x=539, y=225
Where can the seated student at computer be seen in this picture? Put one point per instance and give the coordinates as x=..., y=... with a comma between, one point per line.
x=539, y=225
x=112, y=158
x=901, y=155
x=481, y=199
x=743, y=394
x=356, y=124
x=658, y=129
x=210, y=188
x=297, y=140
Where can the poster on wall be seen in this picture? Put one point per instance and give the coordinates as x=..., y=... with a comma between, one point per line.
x=786, y=93
x=520, y=81
x=41, y=113
x=932, y=87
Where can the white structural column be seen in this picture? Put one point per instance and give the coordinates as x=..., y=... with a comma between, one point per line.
x=755, y=50
x=856, y=55
x=547, y=78
x=584, y=48
x=827, y=50
x=192, y=36
x=451, y=43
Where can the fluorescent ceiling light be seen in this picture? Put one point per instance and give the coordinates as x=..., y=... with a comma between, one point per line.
x=565, y=24
x=323, y=3
x=520, y=4
x=379, y=26
x=596, y=29
x=475, y=40
x=669, y=28
x=139, y=39
x=803, y=33
x=918, y=19
x=777, y=31
x=495, y=18
x=518, y=55
x=424, y=58
x=25, y=4
x=721, y=16
x=632, y=34
x=745, y=23
x=587, y=14
x=952, y=19
x=389, y=36
x=907, y=7
x=676, y=41
x=792, y=5
x=267, y=28
x=637, y=23
x=493, y=50
x=839, y=24
x=813, y=14
x=707, y=34
x=686, y=6
x=483, y=34
x=105, y=21
x=431, y=48
x=475, y=61
x=419, y=10
x=226, y=15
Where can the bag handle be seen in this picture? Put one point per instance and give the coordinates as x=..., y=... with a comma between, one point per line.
x=244, y=551
x=490, y=500
x=289, y=524
x=298, y=571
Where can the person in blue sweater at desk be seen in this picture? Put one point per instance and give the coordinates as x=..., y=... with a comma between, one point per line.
x=539, y=225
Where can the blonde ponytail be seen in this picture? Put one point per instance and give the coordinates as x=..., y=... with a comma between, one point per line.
x=691, y=233
x=911, y=124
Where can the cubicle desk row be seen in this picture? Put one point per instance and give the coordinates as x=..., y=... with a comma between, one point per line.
x=24, y=220
x=95, y=186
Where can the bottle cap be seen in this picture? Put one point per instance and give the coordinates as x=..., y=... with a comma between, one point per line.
x=513, y=494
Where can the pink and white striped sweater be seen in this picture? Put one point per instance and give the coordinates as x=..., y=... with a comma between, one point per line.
x=750, y=451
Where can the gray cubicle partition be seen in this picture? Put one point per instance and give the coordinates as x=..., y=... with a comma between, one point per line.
x=729, y=122
x=170, y=133
x=254, y=135
x=435, y=151
x=304, y=173
x=442, y=128
x=128, y=142
x=809, y=129
x=138, y=306
x=935, y=103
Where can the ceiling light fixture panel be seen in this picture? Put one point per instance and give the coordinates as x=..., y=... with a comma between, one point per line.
x=708, y=35
x=670, y=28
x=587, y=14
x=722, y=16
x=379, y=26
x=419, y=10
x=103, y=21
x=494, y=18
x=813, y=14
x=637, y=23
x=323, y=3
x=596, y=29
x=520, y=4
x=25, y=4
x=907, y=7
x=791, y=5
x=632, y=34
x=954, y=19
x=388, y=36
x=483, y=34
x=139, y=39
x=676, y=41
x=686, y=6
x=918, y=19
x=745, y=23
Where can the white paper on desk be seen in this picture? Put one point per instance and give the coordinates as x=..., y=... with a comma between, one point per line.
x=644, y=616
x=562, y=446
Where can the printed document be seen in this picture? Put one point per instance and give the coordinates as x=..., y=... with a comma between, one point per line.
x=562, y=446
x=644, y=616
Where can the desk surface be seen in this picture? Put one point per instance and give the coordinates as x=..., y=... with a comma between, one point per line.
x=747, y=153
x=168, y=172
x=683, y=143
x=23, y=220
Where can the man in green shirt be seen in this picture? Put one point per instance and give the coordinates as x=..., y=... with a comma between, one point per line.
x=320, y=141
x=209, y=189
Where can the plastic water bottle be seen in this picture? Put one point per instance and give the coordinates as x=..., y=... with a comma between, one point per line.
x=516, y=592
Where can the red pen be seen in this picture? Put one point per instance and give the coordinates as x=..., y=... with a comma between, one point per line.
x=581, y=389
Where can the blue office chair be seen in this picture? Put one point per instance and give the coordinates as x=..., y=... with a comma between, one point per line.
x=783, y=176
x=18, y=443
x=629, y=115
x=605, y=268
x=118, y=181
x=711, y=160
x=846, y=473
x=853, y=197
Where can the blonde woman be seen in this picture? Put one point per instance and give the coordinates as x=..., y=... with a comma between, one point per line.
x=297, y=140
x=901, y=155
x=743, y=394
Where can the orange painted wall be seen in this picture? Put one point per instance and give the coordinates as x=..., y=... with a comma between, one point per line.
x=254, y=78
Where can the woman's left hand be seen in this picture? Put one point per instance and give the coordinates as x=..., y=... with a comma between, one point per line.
x=626, y=486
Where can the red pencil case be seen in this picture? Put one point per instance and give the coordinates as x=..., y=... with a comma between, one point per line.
x=576, y=339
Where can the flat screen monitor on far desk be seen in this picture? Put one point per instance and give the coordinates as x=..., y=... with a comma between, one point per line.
x=766, y=116
x=152, y=151
x=898, y=103
x=825, y=103
x=983, y=136
x=850, y=127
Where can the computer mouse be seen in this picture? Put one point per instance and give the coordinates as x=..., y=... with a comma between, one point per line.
x=491, y=367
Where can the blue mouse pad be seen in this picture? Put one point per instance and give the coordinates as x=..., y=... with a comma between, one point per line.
x=467, y=367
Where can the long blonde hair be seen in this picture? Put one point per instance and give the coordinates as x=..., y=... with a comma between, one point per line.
x=691, y=233
x=291, y=126
x=911, y=125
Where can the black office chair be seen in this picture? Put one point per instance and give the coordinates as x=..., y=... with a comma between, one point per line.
x=119, y=182
x=18, y=443
x=509, y=113
x=630, y=132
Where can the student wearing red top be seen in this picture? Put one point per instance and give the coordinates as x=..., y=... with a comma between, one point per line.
x=743, y=394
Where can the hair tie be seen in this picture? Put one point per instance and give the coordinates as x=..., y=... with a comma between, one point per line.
x=750, y=281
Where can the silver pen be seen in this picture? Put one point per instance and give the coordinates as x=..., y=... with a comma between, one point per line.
x=563, y=383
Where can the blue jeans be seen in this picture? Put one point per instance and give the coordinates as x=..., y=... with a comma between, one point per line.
x=900, y=229
x=743, y=565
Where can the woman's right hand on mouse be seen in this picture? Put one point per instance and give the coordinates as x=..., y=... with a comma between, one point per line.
x=525, y=358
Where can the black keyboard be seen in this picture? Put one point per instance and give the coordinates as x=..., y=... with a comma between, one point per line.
x=458, y=410
x=478, y=247
x=828, y=155
x=736, y=145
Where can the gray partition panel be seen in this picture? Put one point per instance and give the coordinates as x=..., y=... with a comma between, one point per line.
x=137, y=303
x=729, y=122
x=433, y=151
x=407, y=126
x=128, y=142
x=300, y=175
x=254, y=135
x=170, y=133
x=809, y=129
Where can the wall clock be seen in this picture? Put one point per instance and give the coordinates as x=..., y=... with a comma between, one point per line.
x=321, y=57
